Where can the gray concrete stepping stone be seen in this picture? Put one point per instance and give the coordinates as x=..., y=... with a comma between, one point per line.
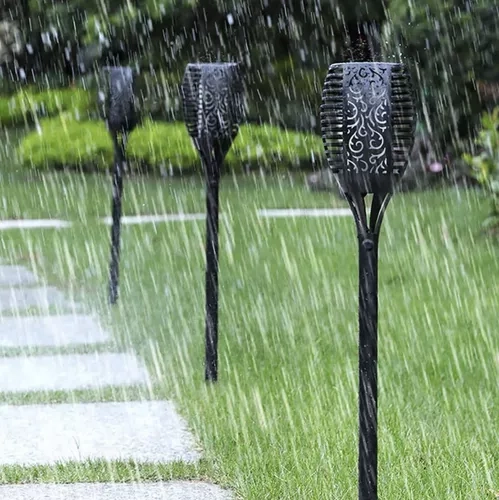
x=145, y=431
x=16, y=275
x=70, y=372
x=305, y=212
x=46, y=331
x=17, y=299
x=33, y=224
x=143, y=219
x=171, y=490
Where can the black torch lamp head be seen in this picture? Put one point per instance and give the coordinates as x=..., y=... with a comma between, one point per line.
x=212, y=95
x=367, y=121
x=118, y=99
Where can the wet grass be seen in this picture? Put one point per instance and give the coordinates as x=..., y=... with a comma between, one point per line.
x=98, y=471
x=104, y=347
x=104, y=394
x=282, y=421
x=82, y=198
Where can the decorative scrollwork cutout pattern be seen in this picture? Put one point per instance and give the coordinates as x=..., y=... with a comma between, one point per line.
x=367, y=119
x=220, y=101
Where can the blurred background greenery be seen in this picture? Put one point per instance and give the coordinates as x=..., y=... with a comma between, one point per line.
x=51, y=51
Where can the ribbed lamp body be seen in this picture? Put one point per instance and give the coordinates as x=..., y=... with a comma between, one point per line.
x=213, y=99
x=367, y=121
x=121, y=113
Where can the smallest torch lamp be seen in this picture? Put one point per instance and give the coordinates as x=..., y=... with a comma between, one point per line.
x=121, y=116
x=367, y=120
x=212, y=95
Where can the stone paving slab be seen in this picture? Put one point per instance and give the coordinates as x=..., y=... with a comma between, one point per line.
x=70, y=372
x=33, y=223
x=142, y=219
x=171, y=490
x=17, y=299
x=305, y=212
x=16, y=275
x=147, y=431
x=48, y=331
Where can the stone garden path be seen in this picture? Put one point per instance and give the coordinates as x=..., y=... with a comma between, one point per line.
x=43, y=434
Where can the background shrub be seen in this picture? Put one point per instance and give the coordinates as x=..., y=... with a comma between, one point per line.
x=160, y=146
x=64, y=142
x=485, y=164
x=28, y=106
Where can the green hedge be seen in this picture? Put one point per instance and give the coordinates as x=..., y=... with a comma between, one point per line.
x=26, y=105
x=64, y=142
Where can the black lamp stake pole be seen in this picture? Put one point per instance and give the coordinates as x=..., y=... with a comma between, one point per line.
x=367, y=120
x=368, y=238
x=118, y=167
x=212, y=98
x=212, y=158
x=121, y=118
x=211, y=327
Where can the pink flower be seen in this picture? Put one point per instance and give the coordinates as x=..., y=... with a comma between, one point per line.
x=435, y=167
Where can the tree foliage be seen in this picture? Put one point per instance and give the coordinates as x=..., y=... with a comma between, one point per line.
x=451, y=46
x=285, y=47
x=166, y=32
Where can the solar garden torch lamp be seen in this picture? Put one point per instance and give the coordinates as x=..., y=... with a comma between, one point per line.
x=213, y=106
x=367, y=120
x=121, y=118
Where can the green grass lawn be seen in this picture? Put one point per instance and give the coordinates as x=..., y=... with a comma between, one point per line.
x=81, y=198
x=282, y=421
